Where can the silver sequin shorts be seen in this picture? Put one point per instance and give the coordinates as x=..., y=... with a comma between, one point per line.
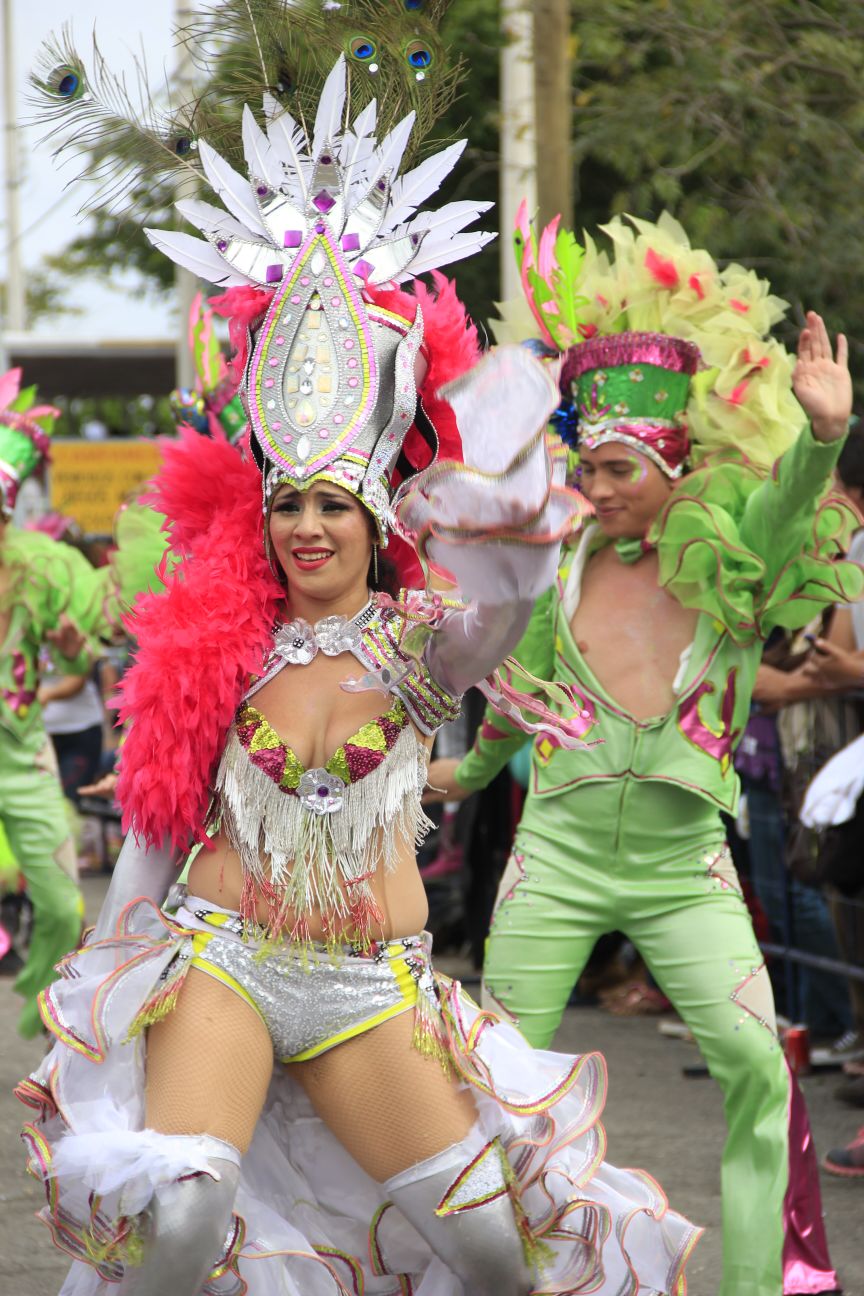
x=310, y=1002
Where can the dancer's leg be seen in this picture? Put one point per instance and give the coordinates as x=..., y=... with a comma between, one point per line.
x=208, y=1067
x=549, y=913
x=34, y=816
x=691, y=926
x=410, y=1127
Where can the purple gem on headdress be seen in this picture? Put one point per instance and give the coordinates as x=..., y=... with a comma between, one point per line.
x=323, y=202
x=292, y=238
x=363, y=269
x=222, y=244
x=415, y=239
x=262, y=191
x=274, y=273
x=320, y=228
x=381, y=185
x=350, y=242
x=326, y=159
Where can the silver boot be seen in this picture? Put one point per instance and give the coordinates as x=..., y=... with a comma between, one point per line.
x=460, y=1203
x=185, y=1227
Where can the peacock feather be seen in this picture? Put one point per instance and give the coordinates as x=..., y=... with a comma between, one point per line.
x=241, y=52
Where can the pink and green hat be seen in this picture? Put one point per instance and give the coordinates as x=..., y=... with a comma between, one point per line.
x=24, y=431
x=633, y=388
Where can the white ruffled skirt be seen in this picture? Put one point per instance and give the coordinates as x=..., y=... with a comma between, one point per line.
x=308, y=1221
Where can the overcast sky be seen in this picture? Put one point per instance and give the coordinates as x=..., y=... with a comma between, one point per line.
x=109, y=312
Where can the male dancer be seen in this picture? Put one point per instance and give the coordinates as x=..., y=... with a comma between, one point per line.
x=47, y=591
x=657, y=623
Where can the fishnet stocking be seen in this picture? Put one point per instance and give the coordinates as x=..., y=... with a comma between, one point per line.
x=387, y=1104
x=208, y=1064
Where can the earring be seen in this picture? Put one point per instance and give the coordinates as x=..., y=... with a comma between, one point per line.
x=375, y=564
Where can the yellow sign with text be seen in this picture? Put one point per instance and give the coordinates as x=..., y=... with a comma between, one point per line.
x=89, y=480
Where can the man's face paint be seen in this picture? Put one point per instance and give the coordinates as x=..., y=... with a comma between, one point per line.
x=625, y=487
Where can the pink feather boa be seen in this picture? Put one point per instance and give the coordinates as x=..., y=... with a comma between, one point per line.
x=210, y=628
x=199, y=638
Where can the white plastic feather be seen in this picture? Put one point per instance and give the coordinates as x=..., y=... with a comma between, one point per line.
x=463, y=245
x=232, y=188
x=290, y=146
x=447, y=220
x=195, y=255
x=252, y=242
x=410, y=190
x=386, y=159
x=331, y=106
x=259, y=153
x=211, y=220
x=362, y=127
x=358, y=146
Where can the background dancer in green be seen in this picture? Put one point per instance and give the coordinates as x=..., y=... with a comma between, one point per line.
x=657, y=622
x=49, y=593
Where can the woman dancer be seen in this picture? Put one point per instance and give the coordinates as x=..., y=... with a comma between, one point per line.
x=409, y=1141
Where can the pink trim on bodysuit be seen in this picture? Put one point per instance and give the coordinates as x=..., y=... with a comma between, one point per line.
x=806, y=1262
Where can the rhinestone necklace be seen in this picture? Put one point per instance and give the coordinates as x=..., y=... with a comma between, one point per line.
x=299, y=643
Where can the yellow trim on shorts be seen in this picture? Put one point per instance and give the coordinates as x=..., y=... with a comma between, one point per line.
x=405, y=983
x=407, y=987
x=200, y=941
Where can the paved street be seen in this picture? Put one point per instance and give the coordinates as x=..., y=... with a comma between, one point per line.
x=655, y=1118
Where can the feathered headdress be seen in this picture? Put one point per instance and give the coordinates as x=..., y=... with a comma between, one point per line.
x=24, y=431
x=321, y=222
x=304, y=243
x=608, y=310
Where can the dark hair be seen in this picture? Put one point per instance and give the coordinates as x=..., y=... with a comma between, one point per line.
x=388, y=575
x=850, y=465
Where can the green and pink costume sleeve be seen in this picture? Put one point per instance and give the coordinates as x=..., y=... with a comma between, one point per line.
x=46, y=580
x=627, y=836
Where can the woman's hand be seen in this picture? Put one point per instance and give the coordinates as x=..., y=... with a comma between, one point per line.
x=821, y=382
x=442, y=785
x=835, y=667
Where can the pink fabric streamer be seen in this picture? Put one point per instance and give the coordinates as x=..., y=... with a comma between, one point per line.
x=511, y=703
x=806, y=1262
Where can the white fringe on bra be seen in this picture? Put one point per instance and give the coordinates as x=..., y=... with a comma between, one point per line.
x=304, y=855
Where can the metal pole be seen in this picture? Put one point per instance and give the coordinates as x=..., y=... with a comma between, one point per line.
x=185, y=283
x=15, y=305
x=518, y=135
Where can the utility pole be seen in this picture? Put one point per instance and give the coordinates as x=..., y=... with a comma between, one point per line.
x=518, y=134
x=185, y=283
x=553, y=97
x=15, y=305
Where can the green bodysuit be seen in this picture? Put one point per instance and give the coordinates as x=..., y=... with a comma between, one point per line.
x=40, y=580
x=627, y=835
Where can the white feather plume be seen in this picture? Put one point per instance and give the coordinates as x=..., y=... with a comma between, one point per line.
x=331, y=106
x=211, y=220
x=234, y=191
x=290, y=145
x=463, y=245
x=410, y=190
x=386, y=159
x=196, y=255
x=260, y=156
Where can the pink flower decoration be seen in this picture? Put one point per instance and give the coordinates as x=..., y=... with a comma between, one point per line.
x=663, y=271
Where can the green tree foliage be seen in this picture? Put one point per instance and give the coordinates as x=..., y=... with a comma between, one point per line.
x=745, y=119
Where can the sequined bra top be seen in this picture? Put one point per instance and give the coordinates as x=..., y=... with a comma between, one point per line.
x=312, y=839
